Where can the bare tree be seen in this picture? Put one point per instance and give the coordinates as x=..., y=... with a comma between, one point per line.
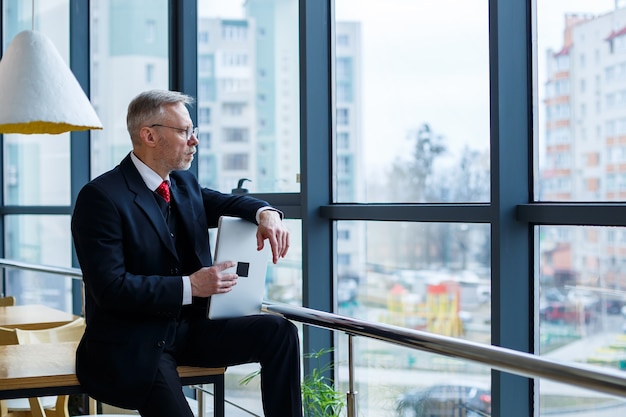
x=411, y=177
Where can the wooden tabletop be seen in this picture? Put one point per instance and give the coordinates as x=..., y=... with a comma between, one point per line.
x=50, y=368
x=34, y=316
x=37, y=366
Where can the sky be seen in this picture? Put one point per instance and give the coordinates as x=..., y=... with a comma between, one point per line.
x=428, y=62
x=438, y=70
x=221, y=8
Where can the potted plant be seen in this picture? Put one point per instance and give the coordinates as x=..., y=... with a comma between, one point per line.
x=319, y=396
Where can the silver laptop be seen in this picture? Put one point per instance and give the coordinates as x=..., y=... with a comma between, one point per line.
x=236, y=241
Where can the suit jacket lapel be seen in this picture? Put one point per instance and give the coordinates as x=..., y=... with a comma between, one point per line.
x=144, y=199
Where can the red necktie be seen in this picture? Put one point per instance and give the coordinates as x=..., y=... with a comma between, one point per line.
x=164, y=191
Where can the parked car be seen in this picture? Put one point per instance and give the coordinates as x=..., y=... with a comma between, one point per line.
x=614, y=307
x=565, y=313
x=457, y=399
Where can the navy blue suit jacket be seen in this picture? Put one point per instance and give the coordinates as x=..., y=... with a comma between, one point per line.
x=133, y=285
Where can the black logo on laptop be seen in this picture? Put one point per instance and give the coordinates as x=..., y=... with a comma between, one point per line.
x=243, y=268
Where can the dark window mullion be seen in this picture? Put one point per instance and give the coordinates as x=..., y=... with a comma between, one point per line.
x=183, y=54
x=575, y=214
x=512, y=309
x=316, y=109
x=80, y=149
x=466, y=213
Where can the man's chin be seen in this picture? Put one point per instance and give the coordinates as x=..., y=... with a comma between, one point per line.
x=185, y=165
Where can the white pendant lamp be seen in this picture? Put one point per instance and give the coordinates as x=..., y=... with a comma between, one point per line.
x=38, y=92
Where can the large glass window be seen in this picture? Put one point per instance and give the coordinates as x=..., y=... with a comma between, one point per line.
x=426, y=276
x=248, y=73
x=129, y=54
x=412, y=95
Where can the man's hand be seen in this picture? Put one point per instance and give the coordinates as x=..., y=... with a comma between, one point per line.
x=271, y=227
x=212, y=280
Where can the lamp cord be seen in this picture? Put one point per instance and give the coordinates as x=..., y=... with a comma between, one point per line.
x=32, y=16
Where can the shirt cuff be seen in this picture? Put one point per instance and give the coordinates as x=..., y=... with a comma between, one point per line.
x=187, y=298
x=258, y=213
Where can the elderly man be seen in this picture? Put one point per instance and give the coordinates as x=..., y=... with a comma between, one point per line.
x=140, y=232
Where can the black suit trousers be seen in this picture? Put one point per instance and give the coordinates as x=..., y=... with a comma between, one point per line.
x=270, y=340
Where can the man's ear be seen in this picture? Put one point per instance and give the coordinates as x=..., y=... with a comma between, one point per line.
x=148, y=136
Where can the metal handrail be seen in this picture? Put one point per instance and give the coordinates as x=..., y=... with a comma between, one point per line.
x=58, y=270
x=503, y=359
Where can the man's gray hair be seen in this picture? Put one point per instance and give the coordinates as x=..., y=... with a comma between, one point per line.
x=147, y=108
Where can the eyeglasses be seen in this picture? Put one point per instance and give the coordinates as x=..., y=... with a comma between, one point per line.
x=188, y=132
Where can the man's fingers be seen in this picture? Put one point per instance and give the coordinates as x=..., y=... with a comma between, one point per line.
x=279, y=245
x=227, y=283
x=221, y=266
x=285, y=246
x=259, y=240
x=276, y=250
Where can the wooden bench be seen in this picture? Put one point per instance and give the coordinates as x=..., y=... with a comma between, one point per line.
x=48, y=369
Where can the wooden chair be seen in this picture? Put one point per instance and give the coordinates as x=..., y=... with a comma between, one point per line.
x=7, y=301
x=43, y=406
x=70, y=332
